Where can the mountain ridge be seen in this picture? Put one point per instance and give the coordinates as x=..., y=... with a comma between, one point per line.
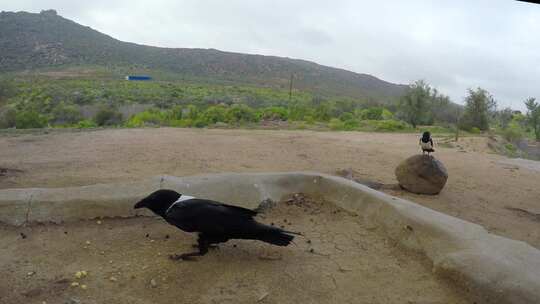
x=30, y=41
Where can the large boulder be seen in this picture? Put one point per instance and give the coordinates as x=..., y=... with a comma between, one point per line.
x=422, y=174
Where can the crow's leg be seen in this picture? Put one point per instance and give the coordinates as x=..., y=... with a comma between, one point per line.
x=203, y=245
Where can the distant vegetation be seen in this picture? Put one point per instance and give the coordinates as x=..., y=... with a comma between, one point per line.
x=57, y=73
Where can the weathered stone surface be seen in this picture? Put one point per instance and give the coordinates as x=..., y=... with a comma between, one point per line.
x=494, y=269
x=422, y=174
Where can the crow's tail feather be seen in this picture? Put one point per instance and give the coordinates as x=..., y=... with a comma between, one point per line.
x=276, y=237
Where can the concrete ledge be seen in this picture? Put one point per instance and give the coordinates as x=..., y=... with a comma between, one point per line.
x=495, y=269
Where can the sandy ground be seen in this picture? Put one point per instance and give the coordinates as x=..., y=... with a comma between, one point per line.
x=503, y=198
x=340, y=260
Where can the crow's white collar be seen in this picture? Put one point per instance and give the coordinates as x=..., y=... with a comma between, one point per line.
x=180, y=199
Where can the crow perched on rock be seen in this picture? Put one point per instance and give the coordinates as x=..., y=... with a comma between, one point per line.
x=213, y=221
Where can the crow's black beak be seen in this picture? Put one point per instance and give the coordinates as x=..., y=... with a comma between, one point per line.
x=140, y=204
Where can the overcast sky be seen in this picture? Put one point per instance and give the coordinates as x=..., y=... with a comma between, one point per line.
x=453, y=45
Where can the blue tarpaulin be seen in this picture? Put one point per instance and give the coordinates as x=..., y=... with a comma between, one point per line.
x=138, y=77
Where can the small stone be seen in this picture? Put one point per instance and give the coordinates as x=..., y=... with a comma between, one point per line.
x=78, y=274
x=84, y=273
x=113, y=279
x=166, y=236
x=98, y=222
x=83, y=286
x=263, y=296
x=75, y=284
x=23, y=236
x=31, y=273
x=73, y=301
x=153, y=283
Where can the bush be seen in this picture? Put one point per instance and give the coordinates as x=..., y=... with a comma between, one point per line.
x=391, y=125
x=191, y=112
x=30, y=120
x=309, y=119
x=374, y=113
x=175, y=113
x=513, y=132
x=87, y=123
x=150, y=117
x=215, y=114
x=346, y=116
x=200, y=123
x=184, y=123
x=274, y=113
x=475, y=130
x=108, y=116
x=351, y=124
x=241, y=113
x=66, y=114
x=8, y=118
x=336, y=124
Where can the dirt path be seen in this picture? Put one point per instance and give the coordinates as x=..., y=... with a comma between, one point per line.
x=341, y=260
x=479, y=189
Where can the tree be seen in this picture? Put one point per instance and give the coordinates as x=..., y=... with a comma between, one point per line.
x=415, y=104
x=533, y=115
x=479, y=105
x=504, y=117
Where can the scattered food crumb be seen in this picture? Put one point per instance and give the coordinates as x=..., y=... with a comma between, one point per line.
x=153, y=283
x=88, y=242
x=31, y=273
x=113, y=279
x=83, y=286
x=98, y=222
x=74, y=284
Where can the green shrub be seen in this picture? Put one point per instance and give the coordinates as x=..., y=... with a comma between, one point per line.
x=175, y=113
x=30, y=120
x=351, y=124
x=391, y=125
x=374, y=113
x=191, y=113
x=184, y=123
x=200, y=123
x=475, y=130
x=87, y=123
x=386, y=114
x=346, y=116
x=215, y=114
x=64, y=114
x=108, y=116
x=336, y=124
x=513, y=132
x=241, y=113
x=274, y=113
x=309, y=119
x=150, y=117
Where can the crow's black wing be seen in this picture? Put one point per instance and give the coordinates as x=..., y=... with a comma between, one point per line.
x=200, y=215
